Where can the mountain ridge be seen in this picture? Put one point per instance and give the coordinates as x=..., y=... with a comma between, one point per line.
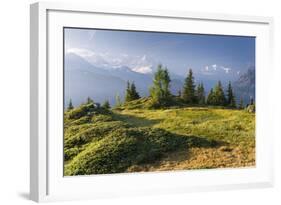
x=83, y=78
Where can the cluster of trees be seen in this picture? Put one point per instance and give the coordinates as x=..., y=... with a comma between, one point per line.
x=131, y=92
x=217, y=97
x=191, y=93
x=105, y=104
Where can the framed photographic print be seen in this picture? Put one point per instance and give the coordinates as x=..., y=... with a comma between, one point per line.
x=127, y=102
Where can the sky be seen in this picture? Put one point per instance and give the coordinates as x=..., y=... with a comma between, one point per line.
x=142, y=51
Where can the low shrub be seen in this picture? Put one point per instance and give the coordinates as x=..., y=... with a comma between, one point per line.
x=86, y=110
x=81, y=111
x=95, y=131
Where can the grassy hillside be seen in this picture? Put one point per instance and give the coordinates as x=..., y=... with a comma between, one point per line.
x=136, y=138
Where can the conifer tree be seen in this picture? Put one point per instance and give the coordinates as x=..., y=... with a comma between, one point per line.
x=166, y=84
x=118, y=101
x=241, y=104
x=210, y=98
x=160, y=90
x=128, y=95
x=70, y=105
x=188, y=93
x=134, y=94
x=230, y=96
x=200, y=93
x=179, y=93
x=219, y=97
x=89, y=100
x=106, y=105
x=131, y=92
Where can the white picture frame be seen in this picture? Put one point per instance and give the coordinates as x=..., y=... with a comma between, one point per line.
x=46, y=178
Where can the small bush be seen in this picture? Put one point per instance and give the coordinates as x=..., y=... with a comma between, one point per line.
x=86, y=110
x=93, y=132
x=81, y=111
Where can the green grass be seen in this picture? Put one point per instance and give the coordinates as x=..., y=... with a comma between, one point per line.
x=135, y=137
x=232, y=126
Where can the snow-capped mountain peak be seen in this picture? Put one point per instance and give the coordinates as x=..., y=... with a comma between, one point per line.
x=143, y=69
x=139, y=64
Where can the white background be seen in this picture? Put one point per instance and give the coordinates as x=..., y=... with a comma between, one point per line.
x=14, y=102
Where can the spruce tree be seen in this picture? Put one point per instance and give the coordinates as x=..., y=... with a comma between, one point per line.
x=179, y=93
x=89, y=100
x=230, y=96
x=70, y=105
x=133, y=91
x=118, y=101
x=128, y=95
x=241, y=104
x=166, y=84
x=160, y=90
x=210, y=98
x=188, y=94
x=219, y=97
x=106, y=105
x=200, y=93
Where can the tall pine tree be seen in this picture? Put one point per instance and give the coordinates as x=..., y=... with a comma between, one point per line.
x=179, y=94
x=200, y=93
x=241, y=104
x=131, y=92
x=128, y=95
x=188, y=93
x=166, y=84
x=219, y=97
x=160, y=90
x=230, y=96
x=118, y=101
x=134, y=94
x=210, y=98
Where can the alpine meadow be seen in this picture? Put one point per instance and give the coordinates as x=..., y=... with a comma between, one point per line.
x=140, y=101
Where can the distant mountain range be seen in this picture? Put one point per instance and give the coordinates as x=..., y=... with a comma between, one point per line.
x=245, y=87
x=84, y=78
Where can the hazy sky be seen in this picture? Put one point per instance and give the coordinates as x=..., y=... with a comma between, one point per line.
x=205, y=54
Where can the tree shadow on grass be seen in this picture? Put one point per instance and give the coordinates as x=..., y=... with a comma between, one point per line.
x=133, y=143
x=171, y=159
x=203, y=142
x=187, y=141
x=133, y=146
x=135, y=121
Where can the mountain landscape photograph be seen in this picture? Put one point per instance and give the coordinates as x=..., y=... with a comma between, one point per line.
x=141, y=101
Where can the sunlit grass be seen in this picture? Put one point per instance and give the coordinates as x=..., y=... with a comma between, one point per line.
x=137, y=138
